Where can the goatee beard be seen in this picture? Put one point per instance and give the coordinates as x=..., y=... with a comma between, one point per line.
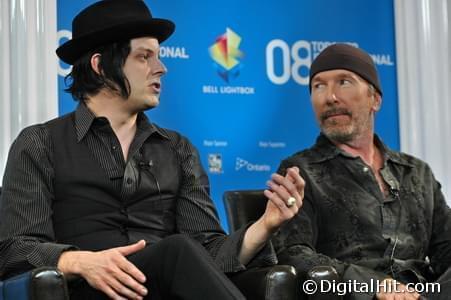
x=339, y=136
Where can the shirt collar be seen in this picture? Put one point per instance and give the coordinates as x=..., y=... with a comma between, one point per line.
x=84, y=119
x=392, y=156
x=325, y=149
x=328, y=150
x=144, y=124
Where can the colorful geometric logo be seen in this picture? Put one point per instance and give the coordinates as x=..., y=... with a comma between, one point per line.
x=225, y=54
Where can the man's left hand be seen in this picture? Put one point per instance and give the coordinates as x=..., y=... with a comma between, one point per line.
x=279, y=209
x=285, y=195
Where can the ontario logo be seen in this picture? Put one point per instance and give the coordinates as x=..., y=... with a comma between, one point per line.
x=251, y=167
x=226, y=54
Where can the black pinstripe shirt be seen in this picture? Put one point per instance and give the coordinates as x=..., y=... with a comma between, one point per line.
x=27, y=237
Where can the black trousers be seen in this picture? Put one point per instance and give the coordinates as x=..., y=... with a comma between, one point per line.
x=176, y=268
x=445, y=288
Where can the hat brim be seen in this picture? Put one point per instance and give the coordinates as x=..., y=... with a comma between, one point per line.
x=73, y=49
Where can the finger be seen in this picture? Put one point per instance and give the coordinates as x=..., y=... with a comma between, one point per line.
x=286, y=197
x=110, y=292
x=129, y=268
x=413, y=291
x=281, y=180
x=280, y=190
x=292, y=173
x=279, y=203
x=289, y=176
x=414, y=296
x=122, y=290
x=296, y=178
x=130, y=249
x=406, y=296
x=410, y=292
x=296, y=169
x=289, y=186
x=131, y=283
x=387, y=296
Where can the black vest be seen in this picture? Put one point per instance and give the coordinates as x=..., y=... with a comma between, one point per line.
x=88, y=211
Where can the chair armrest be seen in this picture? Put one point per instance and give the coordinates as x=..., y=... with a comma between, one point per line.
x=319, y=273
x=44, y=283
x=48, y=283
x=275, y=282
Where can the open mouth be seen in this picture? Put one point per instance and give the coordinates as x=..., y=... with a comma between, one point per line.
x=156, y=86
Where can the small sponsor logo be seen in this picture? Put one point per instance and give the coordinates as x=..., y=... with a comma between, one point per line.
x=242, y=164
x=215, y=163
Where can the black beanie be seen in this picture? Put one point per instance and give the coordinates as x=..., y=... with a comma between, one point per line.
x=347, y=57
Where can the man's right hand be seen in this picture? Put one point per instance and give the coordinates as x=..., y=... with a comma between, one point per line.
x=400, y=293
x=108, y=270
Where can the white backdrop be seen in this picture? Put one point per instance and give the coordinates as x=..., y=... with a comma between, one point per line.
x=424, y=80
x=28, y=76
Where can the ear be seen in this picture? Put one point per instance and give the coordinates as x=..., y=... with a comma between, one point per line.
x=377, y=101
x=95, y=61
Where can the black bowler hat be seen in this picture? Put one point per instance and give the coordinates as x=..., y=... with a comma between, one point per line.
x=111, y=21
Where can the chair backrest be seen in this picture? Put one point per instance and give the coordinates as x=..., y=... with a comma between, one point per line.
x=243, y=207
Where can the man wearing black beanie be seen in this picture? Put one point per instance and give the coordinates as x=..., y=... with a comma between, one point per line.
x=376, y=215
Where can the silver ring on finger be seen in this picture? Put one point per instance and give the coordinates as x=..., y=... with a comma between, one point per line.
x=291, y=201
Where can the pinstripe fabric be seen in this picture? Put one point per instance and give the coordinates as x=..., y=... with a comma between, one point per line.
x=27, y=236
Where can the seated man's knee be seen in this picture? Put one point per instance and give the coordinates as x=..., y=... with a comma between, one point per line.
x=180, y=241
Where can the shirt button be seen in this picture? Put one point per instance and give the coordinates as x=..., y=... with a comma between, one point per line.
x=123, y=211
x=365, y=169
x=123, y=229
x=129, y=180
x=114, y=147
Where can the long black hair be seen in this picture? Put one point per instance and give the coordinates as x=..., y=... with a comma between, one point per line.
x=84, y=81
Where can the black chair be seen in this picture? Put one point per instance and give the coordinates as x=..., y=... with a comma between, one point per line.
x=277, y=282
x=46, y=283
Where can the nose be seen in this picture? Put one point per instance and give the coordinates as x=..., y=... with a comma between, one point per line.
x=158, y=67
x=331, y=95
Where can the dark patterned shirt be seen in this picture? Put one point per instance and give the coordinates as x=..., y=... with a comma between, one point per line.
x=347, y=222
x=27, y=235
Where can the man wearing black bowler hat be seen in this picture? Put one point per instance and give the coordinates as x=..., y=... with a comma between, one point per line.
x=114, y=200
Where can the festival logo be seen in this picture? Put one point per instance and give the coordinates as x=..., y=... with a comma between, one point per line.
x=225, y=53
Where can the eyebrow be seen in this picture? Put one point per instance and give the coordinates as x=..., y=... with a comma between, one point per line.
x=317, y=78
x=344, y=74
x=141, y=48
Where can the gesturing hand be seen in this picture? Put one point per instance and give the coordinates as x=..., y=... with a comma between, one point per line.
x=108, y=270
x=278, y=210
x=281, y=191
